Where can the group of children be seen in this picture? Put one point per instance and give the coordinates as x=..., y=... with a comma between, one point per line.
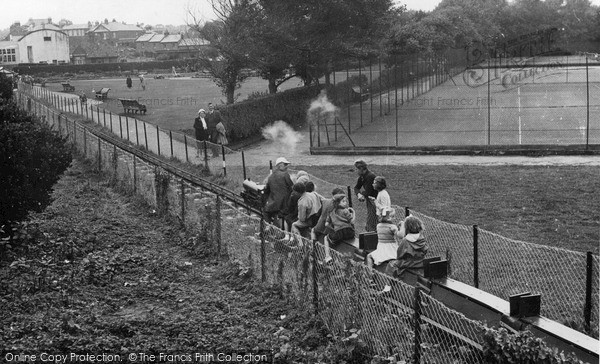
x=332, y=220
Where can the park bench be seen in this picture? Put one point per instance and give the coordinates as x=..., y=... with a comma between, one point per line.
x=133, y=106
x=102, y=94
x=67, y=87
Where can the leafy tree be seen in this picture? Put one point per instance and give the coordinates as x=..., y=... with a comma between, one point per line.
x=229, y=37
x=316, y=33
x=32, y=158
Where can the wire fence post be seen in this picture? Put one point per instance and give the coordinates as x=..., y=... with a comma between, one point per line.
x=146, y=136
x=263, y=252
x=99, y=156
x=315, y=277
x=218, y=227
x=587, y=87
x=244, y=165
x=127, y=126
x=84, y=141
x=475, y=256
x=417, y=325
x=489, y=110
x=349, y=96
x=205, y=155
x=187, y=157
x=349, y=194
x=361, y=92
x=137, y=134
x=158, y=139
x=182, y=184
x=134, y=174
x=171, y=141
x=120, y=127
x=587, y=311
x=224, y=164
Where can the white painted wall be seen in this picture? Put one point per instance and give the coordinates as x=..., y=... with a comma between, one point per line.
x=54, y=49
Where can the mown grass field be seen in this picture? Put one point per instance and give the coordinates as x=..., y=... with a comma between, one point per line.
x=172, y=103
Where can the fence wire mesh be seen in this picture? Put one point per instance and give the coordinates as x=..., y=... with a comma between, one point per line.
x=423, y=102
x=350, y=296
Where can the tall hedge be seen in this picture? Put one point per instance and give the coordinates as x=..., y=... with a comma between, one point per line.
x=32, y=159
x=247, y=118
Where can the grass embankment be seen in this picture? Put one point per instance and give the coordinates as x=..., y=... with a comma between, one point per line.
x=100, y=272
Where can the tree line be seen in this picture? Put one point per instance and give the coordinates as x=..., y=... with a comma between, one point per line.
x=282, y=39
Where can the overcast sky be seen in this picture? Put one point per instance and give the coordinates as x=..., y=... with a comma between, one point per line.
x=152, y=12
x=130, y=11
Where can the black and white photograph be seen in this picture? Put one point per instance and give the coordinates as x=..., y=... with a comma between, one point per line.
x=307, y=181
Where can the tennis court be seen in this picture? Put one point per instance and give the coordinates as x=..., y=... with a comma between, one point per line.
x=549, y=100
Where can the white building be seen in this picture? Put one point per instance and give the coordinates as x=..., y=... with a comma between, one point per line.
x=39, y=46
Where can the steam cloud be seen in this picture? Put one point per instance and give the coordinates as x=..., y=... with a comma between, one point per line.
x=283, y=134
x=321, y=110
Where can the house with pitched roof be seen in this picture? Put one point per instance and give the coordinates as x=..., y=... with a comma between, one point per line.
x=154, y=42
x=76, y=30
x=141, y=43
x=117, y=32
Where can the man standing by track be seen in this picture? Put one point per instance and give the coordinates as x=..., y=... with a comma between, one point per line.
x=277, y=190
x=213, y=118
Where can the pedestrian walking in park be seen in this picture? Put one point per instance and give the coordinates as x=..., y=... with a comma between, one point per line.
x=363, y=190
x=201, y=128
x=213, y=117
x=278, y=189
x=142, y=82
x=128, y=82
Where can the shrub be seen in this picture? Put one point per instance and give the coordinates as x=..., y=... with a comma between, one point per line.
x=502, y=347
x=32, y=158
x=6, y=87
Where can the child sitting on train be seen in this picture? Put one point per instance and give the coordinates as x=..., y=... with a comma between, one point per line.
x=412, y=248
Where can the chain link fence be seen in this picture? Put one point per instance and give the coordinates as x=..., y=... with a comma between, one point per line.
x=415, y=101
x=567, y=280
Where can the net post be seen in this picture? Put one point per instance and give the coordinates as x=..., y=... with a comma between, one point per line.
x=475, y=256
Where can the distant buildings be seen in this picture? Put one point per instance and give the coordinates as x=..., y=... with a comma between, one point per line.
x=170, y=46
x=41, y=41
x=36, y=42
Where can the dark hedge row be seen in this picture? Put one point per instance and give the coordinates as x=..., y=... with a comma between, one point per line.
x=247, y=118
x=32, y=158
x=36, y=69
